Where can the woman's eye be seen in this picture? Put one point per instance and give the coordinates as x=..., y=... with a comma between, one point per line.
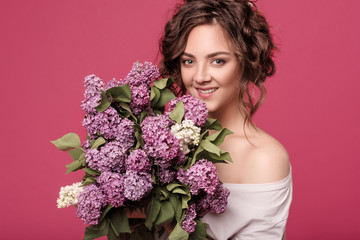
x=218, y=61
x=187, y=61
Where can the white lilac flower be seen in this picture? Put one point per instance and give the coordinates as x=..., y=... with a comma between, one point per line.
x=187, y=133
x=68, y=195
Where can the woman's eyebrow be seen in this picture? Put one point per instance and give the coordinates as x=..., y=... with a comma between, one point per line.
x=210, y=55
x=188, y=55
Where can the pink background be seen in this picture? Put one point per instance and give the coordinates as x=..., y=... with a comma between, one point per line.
x=48, y=47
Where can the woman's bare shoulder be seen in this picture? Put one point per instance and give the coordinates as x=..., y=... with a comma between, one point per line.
x=268, y=160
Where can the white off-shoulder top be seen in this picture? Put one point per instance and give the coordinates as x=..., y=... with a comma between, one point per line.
x=254, y=211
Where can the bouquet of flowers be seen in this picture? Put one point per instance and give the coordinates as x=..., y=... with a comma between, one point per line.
x=146, y=151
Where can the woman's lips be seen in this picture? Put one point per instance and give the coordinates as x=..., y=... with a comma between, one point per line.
x=205, y=92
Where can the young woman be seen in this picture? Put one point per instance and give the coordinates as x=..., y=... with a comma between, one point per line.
x=220, y=51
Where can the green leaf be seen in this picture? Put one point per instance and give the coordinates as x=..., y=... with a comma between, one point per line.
x=120, y=221
x=176, y=204
x=157, y=112
x=218, y=137
x=226, y=156
x=127, y=108
x=106, y=210
x=143, y=115
x=98, y=142
x=120, y=94
x=166, y=213
x=210, y=147
x=213, y=124
x=165, y=194
x=165, y=96
x=154, y=95
x=200, y=231
x=179, y=191
x=197, y=152
x=122, y=112
x=67, y=142
x=153, y=177
x=184, y=201
x=88, y=181
x=178, y=233
x=76, y=153
x=188, y=163
x=104, y=104
x=139, y=140
x=223, y=158
x=74, y=166
x=111, y=234
x=152, y=211
x=92, y=171
x=171, y=186
x=170, y=82
x=97, y=231
x=205, y=133
x=161, y=83
x=82, y=159
x=178, y=113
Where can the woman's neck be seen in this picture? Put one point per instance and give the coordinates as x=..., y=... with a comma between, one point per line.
x=232, y=119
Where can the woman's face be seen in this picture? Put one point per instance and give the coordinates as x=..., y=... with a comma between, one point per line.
x=209, y=68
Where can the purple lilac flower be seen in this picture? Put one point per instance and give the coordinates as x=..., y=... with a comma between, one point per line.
x=111, y=157
x=215, y=203
x=160, y=144
x=125, y=133
x=138, y=161
x=105, y=123
x=195, y=109
x=137, y=184
x=92, y=94
x=201, y=176
x=166, y=175
x=140, y=99
x=91, y=201
x=109, y=124
x=180, y=158
x=86, y=144
x=188, y=224
x=112, y=83
x=142, y=74
x=112, y=185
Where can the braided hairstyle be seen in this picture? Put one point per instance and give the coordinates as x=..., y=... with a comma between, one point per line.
x=248, y=32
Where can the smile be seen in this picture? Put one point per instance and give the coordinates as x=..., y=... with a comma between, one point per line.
x=206, y=93
x=207, y=90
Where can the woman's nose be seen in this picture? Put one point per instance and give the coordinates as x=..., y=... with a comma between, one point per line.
x=202, y=74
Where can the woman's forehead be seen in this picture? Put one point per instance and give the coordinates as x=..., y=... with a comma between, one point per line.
x=208, y=38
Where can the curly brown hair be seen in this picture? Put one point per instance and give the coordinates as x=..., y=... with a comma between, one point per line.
x=248, y=31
